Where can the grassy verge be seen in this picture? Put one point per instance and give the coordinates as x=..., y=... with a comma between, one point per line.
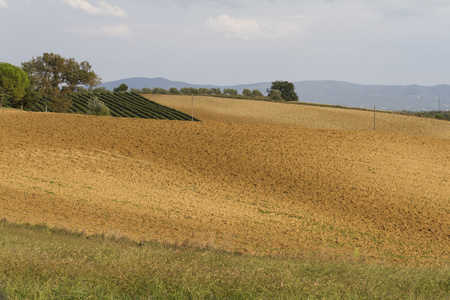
x=40, y=263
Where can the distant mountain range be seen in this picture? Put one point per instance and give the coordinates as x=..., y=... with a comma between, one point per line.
x=387, y=97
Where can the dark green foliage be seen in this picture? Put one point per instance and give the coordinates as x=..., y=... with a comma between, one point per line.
x=160, y=91
x=257, y=93
x=121, y=88
x=437, y=114
x=204, y=91
x=31, y=97
x=14, y=83
x=122, y=104
x=174, y=91
x=286, y=88
x=55, y=77
x=232, y=92
x=216, y=91
x=189, y=91
x=246, y=92
x=276, y=95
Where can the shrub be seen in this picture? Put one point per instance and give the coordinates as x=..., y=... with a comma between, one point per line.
x=246, y=92
x=146, y=90
x=174, y=91
x=97, y=107
x=257, y=93
x=276, y=95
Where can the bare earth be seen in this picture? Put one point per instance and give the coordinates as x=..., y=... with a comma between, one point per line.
x=248, y=183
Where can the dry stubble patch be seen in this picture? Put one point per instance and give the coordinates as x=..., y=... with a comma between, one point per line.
x=253, y=188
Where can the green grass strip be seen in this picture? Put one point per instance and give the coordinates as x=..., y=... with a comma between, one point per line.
x=40, y=263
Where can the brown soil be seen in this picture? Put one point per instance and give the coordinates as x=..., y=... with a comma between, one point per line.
x=242, y=186
x=262, y=112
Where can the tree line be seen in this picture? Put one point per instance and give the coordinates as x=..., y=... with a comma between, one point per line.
x=53, y=78
x=279, y=90
x=175, y=91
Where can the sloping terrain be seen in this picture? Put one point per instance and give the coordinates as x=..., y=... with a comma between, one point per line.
x=248, y=187
x=262, y=112
x=121, y=104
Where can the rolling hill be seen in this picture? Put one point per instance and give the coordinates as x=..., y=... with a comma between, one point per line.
x=261, y=186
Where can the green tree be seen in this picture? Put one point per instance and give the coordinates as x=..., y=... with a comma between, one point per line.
x=14, y=83
x=286, y=88
x=216, y=91
x=276, y=95
x=121, y=88
x=160, y=91
x=101, y=89
x=232, y=92
x=189, y=91
x=174, y=91
x=204, y=91
x=246, y=92
x=146, y=90
x=55, y=77
x=97, y=107
x=257, y=93
x=31, y=97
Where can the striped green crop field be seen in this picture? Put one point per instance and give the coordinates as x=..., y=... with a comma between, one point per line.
x=122, y=104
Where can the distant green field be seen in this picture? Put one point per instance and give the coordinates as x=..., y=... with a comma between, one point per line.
x=122, y=104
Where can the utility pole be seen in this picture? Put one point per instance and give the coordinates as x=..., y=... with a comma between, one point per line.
x=192, y=107
x=439, y=103
x=374, y=118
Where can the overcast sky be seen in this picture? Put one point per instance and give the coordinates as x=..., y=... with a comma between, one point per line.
x=227, y=42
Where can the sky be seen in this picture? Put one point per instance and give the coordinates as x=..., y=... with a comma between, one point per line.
x=229, y=42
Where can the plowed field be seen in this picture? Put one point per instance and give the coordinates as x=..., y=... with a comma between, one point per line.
x=262, y=112
x=260, y=188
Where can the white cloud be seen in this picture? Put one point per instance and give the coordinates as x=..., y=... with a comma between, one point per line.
x=102, y=8
x=265, y=28
x=3, y=4
x=245, y=29
x=111, y=31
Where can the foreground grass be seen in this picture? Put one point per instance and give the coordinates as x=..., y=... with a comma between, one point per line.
x=40, y=263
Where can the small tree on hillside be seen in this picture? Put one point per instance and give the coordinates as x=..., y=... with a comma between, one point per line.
x=160, y=91
x=246, y=92
x=55, y=77
x=97, y=107
x=174, y=91
x=146, y=90
x=257, y=93
x=286, y=88
x=121, y=88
